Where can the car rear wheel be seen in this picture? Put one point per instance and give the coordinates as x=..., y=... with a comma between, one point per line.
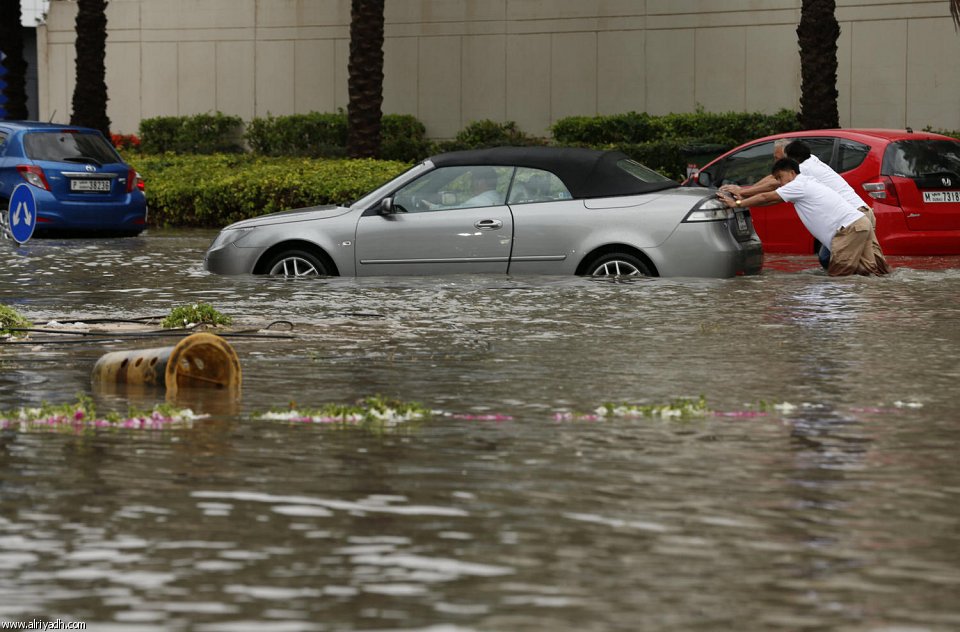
x=296, y=263
x=618, y=264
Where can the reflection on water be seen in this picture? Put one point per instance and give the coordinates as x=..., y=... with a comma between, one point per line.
x=837, y=512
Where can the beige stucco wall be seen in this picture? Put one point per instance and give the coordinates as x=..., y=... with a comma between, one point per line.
x=450, y=62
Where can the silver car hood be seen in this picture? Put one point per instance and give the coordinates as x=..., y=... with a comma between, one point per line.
x=293, y=215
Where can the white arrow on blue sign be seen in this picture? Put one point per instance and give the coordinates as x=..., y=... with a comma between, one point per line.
x=22, y=214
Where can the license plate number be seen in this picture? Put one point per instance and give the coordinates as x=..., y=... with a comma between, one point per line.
x=90, y=185
x=941, y=196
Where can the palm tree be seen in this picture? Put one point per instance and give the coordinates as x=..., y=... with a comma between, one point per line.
x=365, y=78
x=818, y=33
x=90, y=91
x=11, y=41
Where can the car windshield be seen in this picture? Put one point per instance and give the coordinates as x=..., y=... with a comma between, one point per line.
x=377, y=194
x=918, y=158
x=69, y=146
x=642, y=173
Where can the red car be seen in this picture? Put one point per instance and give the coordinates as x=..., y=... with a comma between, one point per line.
x=910, y=179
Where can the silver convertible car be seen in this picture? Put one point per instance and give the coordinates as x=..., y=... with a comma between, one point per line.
x=507, y=210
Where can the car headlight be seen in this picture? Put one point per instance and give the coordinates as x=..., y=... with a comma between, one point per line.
x=229, y=236
x=710, y=210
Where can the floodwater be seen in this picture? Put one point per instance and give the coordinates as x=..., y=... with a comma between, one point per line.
x=519, y=509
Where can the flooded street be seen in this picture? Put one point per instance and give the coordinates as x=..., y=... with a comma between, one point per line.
x=822, y=493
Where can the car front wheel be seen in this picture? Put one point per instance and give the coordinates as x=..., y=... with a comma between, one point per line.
x=296, y=263
x=618, y=264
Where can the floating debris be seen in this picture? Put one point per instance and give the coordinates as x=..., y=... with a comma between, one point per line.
x=478, y=417
x=82, y=417
x=900, y=404
x=12, y=323
x=689, y=409
x=678, y=408
x=189, y=316
x=371, y=411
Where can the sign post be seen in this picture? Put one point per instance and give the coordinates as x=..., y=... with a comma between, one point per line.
x=22, y=214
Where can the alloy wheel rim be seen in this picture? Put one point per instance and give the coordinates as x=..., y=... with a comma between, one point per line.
x=617, y=268
x=294, y=267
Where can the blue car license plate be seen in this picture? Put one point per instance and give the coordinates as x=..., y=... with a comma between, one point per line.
x=97, y=186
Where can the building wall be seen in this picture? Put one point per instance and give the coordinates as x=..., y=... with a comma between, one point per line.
x=450, y=62
x=30, y=55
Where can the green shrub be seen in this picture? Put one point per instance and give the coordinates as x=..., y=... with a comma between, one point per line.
x=196, y=314
x=946, y=132
x=198, y=134
x=668, y=143
x=487, y=133
x=404, y=138
x=11, y=319
x=315, y=135
x=159, y=134
x=631, y=127
x=211, y=191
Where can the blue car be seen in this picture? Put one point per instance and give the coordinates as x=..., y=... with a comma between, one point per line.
x=80, y=183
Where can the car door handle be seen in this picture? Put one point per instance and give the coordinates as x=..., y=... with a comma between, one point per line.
x=488, y=224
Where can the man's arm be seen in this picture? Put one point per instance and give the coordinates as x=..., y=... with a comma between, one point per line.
x=768, y=183
x=760, y=199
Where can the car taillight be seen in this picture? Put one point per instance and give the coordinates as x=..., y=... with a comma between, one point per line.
x=884, y=190
x=134, y=180
x=34, y=176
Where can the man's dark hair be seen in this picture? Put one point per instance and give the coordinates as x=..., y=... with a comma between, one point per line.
x=798, y=150
x=785, y=164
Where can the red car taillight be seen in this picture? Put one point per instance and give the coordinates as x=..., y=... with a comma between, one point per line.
x=884, y=190
x=34, y=176
x=134, y=180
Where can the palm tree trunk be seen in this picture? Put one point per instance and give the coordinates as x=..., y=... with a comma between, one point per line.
x=818, y=33
x=11, y=43
x=90, y=91
x=365, y=81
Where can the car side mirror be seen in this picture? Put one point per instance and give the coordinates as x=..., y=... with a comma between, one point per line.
x=386, y=206
x=703, y=179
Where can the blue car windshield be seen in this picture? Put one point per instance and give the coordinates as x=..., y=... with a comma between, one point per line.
x=69, y=146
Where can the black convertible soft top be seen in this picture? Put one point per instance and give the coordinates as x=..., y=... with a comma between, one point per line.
x=587, y=173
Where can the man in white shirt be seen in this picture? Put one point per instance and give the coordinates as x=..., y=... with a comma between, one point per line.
x=483, y=191
x=484, y=186
x=812, y=166
x=829, y=218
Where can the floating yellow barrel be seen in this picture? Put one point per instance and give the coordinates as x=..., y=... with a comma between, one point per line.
x=200, y=360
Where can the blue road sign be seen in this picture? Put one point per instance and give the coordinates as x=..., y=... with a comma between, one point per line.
x=22, y=214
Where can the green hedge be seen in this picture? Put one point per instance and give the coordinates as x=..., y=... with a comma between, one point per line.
x=317, y=134
x=212, y=191
x=952, y=133
x=666, y=143
x=730, y=128
x=487, y=133
x=670, y=142
x=199, y=134
x=314, y=134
